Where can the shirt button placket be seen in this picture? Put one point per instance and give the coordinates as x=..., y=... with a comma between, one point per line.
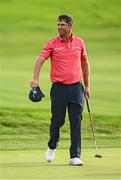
x=68, y=45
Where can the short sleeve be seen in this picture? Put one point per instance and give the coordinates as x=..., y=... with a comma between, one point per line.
x=84, y=53
x=47, y=50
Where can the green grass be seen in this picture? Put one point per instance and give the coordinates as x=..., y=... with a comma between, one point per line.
x=36, y=16
x=25, y=27
x=28, y=129
x=32, y=165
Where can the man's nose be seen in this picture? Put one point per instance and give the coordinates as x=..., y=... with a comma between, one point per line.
x=59, y=26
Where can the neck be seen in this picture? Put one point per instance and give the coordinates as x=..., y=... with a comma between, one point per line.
x=66, y=37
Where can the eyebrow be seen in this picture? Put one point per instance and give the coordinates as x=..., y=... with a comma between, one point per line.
x=61, y=24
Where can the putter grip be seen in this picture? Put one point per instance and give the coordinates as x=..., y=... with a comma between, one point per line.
x=88, y=106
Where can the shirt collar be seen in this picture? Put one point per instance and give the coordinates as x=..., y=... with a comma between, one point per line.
x=62, y=40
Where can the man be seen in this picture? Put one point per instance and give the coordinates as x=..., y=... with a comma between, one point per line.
x=69, y=66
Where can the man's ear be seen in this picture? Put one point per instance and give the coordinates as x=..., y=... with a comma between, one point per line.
x=70, y=25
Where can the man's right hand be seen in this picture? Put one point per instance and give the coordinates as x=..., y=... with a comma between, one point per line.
x=33, y=83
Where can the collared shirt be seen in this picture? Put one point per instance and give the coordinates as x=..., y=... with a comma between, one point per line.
x=66, y=57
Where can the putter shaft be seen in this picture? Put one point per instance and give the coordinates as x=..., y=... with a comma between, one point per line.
x=92, y=128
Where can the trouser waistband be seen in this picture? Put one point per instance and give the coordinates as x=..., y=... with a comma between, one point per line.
x=60, y=83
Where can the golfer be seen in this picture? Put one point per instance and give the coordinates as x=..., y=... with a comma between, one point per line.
x=69, y=68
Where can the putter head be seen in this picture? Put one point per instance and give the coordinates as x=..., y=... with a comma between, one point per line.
x=98, y=156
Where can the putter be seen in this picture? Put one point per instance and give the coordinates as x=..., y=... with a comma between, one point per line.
x=97, y=155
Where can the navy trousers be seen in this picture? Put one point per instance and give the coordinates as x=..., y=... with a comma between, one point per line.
x=63, y=97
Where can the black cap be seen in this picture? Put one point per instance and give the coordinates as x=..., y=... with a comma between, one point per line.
x=35, y=94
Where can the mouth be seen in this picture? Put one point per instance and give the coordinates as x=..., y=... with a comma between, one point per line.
x=60, y=31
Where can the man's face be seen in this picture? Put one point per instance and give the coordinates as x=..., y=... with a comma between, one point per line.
x=63, y=27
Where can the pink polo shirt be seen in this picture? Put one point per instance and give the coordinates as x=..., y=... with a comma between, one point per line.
x=66, y=57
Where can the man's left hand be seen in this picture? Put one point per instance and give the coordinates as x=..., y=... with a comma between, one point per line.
x=87, y=92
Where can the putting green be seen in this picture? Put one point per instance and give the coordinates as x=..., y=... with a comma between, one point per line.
x=32, y=165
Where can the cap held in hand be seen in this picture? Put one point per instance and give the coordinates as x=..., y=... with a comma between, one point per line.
x=35, y=94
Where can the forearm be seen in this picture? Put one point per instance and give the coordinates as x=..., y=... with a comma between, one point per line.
x=86, y=75
x=37, y=67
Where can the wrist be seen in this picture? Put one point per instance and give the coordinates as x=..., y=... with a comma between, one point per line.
x=33, y=83
x=87, y=87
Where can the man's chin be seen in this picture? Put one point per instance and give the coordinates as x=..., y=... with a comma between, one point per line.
x=61, y=33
